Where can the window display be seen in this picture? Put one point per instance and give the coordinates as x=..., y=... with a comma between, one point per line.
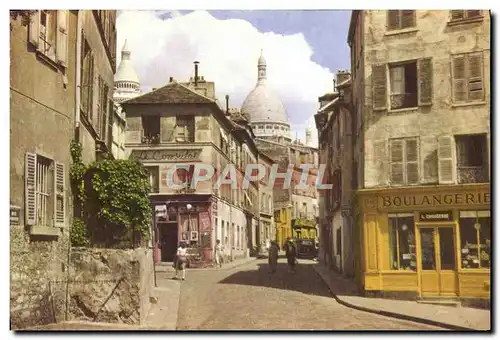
x=475, y=239
x=402, y=241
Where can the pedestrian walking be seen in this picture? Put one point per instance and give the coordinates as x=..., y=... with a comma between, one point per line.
x=181, y=260
x=218, y=254
x=273, y=256
x=291, y=254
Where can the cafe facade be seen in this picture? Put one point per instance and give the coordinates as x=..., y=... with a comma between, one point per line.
x=425, y=242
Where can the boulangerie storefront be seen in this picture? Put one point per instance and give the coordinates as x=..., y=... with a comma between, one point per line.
x=432, y=241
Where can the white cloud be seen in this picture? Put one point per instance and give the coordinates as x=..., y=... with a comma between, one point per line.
x=166, y=44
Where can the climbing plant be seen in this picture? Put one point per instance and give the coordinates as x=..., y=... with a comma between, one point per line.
x=112, y=199
x=78, y=235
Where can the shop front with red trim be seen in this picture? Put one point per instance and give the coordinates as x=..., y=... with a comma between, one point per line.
x=183, y=218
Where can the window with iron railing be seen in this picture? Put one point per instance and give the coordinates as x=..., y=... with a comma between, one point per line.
x=151, y=129
x=472, y=159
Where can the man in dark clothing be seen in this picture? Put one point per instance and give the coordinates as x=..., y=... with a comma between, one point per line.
x=291, y=254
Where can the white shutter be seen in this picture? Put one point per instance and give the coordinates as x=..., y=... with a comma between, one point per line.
x=62, y=38
x=59, y=197
x=445, y=160
x=30, y=188
x=34, y=29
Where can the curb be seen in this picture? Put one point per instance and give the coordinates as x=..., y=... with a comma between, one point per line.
x=228, y=266
x=396, y=315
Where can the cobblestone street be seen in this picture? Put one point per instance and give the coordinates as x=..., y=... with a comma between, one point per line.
x=250, y=298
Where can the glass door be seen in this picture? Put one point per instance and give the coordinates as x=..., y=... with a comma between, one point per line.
x=438, y=261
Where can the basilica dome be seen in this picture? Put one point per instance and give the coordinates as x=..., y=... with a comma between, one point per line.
x=127, y=83
x=264, y=110
x=263, y=105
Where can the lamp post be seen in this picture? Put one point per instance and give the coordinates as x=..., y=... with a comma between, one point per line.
x=189, y=207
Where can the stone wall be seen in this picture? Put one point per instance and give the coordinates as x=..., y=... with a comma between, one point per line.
x=110, y=285
x=38, y=268
x=102, y=285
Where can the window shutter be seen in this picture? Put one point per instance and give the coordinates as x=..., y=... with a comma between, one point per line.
x=457, y=14
x=458, y=79
x=412, y=169
x=62, y=38
x=461, y=152
x=90, y=88
x=59, y=197
x=393, y=20
x=379, y=86
x=30, y=187
x=407, y=19
x=445, y=159
x=396, y=147
x=475, y=81
x=34, y=29
x=425, y=76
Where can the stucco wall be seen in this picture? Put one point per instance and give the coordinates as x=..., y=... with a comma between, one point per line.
x=434, y=38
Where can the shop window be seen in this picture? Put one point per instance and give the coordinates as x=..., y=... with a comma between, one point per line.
x=402, y=242
x=472, y=159
x=475, y=239
x=403, y=85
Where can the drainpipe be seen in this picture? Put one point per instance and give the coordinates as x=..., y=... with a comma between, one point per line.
x=78, y=70
x=79, y=16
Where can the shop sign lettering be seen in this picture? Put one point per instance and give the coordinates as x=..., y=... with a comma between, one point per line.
x=388, y=201
x=167, y=155
x=436, y=216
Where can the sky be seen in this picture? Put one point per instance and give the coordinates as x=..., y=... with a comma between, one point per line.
x=303, y=50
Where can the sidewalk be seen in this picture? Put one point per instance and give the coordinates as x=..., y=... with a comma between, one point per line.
x=456, y=318
x=167, y=266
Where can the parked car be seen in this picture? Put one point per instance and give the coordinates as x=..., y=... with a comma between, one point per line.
x=306, y=249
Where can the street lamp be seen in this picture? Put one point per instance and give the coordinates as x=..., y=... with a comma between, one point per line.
x=189, y=207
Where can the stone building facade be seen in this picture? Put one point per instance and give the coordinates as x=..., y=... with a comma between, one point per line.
x=334, y=123
x=267, y=227
x=96, y=49
x=171, y=130
x=304, y=199
x=421, y=103
x=46, y=101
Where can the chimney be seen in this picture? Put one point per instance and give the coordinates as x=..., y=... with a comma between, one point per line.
x=227, y=103
x=196, y=73
x=171, y=79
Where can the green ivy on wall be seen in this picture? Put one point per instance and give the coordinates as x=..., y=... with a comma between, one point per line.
x=112, y=198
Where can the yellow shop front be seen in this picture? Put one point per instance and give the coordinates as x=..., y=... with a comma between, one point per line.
x=432, y=241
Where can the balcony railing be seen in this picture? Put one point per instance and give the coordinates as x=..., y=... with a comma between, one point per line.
x=472, y=174
x=151, y=139
x=403, y=100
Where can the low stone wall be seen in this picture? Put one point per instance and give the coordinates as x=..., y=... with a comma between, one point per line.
x=37, y=268
x=110, y=285
x=101, y=285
